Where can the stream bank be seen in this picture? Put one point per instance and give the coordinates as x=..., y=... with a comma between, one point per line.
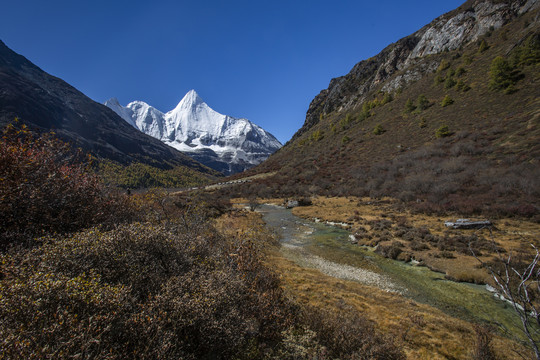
x=327, y=249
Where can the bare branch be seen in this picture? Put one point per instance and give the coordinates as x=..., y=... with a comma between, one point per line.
x=515, y=286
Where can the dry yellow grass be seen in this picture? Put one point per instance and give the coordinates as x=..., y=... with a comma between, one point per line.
x=423, y=331
x=511, y=234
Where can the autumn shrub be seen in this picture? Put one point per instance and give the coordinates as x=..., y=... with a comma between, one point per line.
x=142, y=290
x=350, y=336
x=390, y=251
x=299, y=342
x=418, y=246
x=483, y=349
x=379, y=225
x=464, y=244
x=445, y=255
x=50, y=315
x=305, y=201
x=48, y=187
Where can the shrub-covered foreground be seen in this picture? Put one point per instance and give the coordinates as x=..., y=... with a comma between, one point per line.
x=141, y=290
x=163, y=285
x=148, y=290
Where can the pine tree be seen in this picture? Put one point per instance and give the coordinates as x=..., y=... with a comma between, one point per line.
x=447, y=101
x=422, y=102
x=409, y=106
x=502, y=74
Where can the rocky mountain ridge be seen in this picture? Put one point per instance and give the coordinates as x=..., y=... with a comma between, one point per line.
x=408, y=59
x=222, y=142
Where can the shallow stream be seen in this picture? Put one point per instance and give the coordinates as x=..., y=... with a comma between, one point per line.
x=327, y=248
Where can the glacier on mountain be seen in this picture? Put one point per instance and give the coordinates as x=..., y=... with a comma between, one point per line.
x=224, y=143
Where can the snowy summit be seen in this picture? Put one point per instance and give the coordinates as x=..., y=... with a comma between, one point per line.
x=224, y=143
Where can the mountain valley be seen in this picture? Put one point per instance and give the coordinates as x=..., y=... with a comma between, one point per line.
x=190, y=234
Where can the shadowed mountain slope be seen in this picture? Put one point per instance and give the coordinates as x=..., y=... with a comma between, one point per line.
x=45, y=102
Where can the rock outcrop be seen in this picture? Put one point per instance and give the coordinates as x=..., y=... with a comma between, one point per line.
x=407, y=60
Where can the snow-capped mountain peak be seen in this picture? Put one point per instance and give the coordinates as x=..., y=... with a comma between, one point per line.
x=222, y=142
x=124, y=112
x=189, y=101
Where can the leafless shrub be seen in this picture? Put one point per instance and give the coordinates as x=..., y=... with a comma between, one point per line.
x=453, y=165
x=462, y=134
x=518, y=281
x=464, y=148
x=253, y=203
x=445, y=255
x=414, y=234
x=417, y=183
x=483, y=349
x=418, y=246
x=406, y=196
x=378, y=225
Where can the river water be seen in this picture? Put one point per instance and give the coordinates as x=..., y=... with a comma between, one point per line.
x=326, y=248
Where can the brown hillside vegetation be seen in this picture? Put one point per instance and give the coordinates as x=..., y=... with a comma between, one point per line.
x=464, y=137
x=47, y=187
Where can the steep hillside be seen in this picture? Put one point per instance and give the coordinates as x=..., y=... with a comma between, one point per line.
x=446, y=118
x=45, y=102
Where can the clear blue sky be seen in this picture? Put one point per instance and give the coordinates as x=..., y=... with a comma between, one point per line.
x=262, y=60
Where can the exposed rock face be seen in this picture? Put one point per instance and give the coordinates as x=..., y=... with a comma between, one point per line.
x=48, y=103
x=405, y=61
x=451, y=33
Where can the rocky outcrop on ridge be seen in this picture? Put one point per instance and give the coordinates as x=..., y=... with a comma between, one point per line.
x=407, y=60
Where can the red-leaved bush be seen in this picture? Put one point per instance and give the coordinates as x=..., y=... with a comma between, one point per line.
x=48, y=187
